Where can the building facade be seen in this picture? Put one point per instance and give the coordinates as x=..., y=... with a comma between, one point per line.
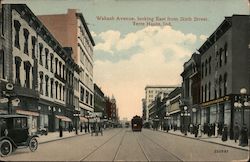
x=191, y=87
x=173, y=109
x=78, y=37
x=225, y=69
x=39, y=68
x=99, y=101
x=151, y=92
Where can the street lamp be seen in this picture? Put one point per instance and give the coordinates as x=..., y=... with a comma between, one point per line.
x=194, y=111
x=241, y=103
x=185, y=114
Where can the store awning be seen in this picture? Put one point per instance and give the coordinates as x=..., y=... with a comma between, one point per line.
x=29, y=113
x=63, y=118
x=83, y=119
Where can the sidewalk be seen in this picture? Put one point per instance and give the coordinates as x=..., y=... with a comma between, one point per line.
x=205, y=138
x=54, y=136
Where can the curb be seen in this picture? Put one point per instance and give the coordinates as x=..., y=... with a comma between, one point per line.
x=244, y=149
x=61, y=138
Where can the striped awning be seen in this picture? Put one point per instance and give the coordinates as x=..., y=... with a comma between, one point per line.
x=63, y=118
x=29, y=113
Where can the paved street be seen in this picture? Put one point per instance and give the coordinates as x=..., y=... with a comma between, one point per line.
x=125, y=145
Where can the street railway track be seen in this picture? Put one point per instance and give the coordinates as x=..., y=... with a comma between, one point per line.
x=137, y=137
x=92, y=152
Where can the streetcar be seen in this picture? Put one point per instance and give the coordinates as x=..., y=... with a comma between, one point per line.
x=136, y=123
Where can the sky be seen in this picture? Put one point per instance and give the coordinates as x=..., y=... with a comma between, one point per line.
x=142, y=42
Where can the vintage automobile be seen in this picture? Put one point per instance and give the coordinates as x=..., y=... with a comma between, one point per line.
x=14, y=133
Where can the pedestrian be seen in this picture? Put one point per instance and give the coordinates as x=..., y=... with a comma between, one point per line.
x=60, y=128
x=224, y=133
x=244, y=136
x=236, y=132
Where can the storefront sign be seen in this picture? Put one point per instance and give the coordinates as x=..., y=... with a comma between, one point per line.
x=226, y=98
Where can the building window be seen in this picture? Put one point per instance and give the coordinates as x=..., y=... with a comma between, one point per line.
x=60, y=91
x=26, y=41
x=225, y=84
x=46, y=85
x=51, y=62
x=18, y=61
x=41, y=82
x=56, y=59
x=220, y=82
x=60, y=69
x=33, y=76
x=17, y=26
x=82, y=94
x=33, y=39
x=205, y=92
x=87, y=97
x=2, y=14
x=46, y=58
x=220, y=62
x=51, y=87
x=209, y=65
x=209, y=91
x=206, y=66
x=202, y=70
x=27, y=66
x=2, y=74
x=56, y=89
x=63, y=93
x=225, y=53
x=91, y=98
x=63, y=70
x=41, y=53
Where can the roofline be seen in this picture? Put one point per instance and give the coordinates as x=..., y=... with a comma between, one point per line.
x=161, y=86
x=86, y=27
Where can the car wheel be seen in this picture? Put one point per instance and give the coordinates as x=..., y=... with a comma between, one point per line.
x=5, y=147
x=33, y=144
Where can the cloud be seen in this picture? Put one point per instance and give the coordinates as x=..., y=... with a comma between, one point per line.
x=158, y=61
x=203, y=37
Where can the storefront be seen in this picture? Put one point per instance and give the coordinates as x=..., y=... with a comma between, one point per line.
x=32, y=119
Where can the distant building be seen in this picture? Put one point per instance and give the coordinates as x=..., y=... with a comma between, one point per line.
x=151, y=92
x=99, y=101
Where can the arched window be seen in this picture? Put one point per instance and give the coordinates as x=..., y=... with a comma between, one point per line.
x=46, y=58
x=206, y=64
x=51, y=87
x=41, y=82
x=46, y=85
x=225, y=53
x=51, y=62
x=26, y=41
x=18, y=62
x=17, y=26
x=27, y=67
x=220, y=82
x=209, y=91
x=221, y=56
x=205, y=92
x=202, y=70
x=56, y=84
x=225, y=84
x=33, y=41
x=56, y=61
x=2, y=74
x=209, y=65
x=41, y=53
